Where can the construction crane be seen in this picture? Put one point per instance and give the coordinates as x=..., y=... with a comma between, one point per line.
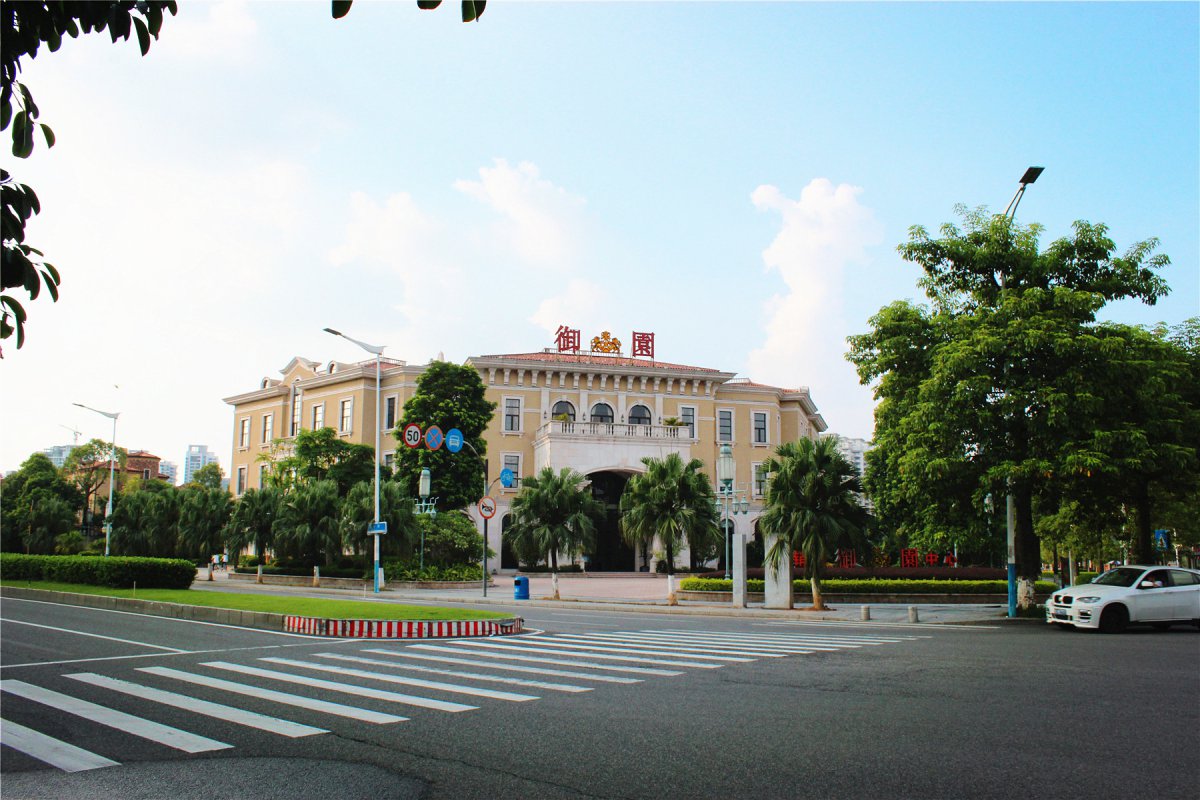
x=76, y=432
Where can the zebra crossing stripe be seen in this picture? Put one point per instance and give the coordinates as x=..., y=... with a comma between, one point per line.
x=559, y=662
x=143, y=728
x=677, y=648
x=400, y=679
x=810, y=646
x=239, y=716
x=593, y=651
x=49, y=750
x=333, y=686
x=477, y=676
x=772, y=650
x=558, y=673
x=400, y=629
x=801, y=637
x=299, y=701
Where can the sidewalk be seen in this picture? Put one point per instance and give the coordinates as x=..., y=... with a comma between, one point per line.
x=641, y=594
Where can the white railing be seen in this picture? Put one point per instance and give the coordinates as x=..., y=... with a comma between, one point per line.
x=612, y=430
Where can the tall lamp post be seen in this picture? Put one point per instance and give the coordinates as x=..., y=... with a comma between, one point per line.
x=1027, y=179
x=426, y=505
x=729, y=501
x=487, y=487
x=112, y=468
x=377, y=350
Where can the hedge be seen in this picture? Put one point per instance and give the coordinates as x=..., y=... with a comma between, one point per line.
x=836, y=586
x=119, y=572
x=326, y=572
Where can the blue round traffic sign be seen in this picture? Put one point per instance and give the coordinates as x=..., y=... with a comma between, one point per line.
x=507, y=477
x=454, y=440
x=433, y=437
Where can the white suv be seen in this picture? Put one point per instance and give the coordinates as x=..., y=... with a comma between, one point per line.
x=1159, y=596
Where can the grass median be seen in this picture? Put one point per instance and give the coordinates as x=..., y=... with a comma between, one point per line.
x=271, y=604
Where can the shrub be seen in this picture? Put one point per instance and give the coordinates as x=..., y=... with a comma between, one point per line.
x=836, y=586
x=411, y=571
x=115, y=571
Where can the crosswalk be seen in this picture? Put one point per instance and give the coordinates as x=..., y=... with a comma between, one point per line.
x=448, y=676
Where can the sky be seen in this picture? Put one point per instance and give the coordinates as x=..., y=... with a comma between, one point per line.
x=734, y=177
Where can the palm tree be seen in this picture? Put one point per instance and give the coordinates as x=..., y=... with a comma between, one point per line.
x=668, y=501
x=395, y=508
x=252, y=520
x=813, y=506
x=554, y=513
x=203, y=515
x=307, y=526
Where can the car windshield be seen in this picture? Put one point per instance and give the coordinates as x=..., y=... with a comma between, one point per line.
x=1121, y=576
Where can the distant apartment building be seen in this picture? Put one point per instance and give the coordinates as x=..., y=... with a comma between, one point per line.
x=855, y=451
x=58, y=454
x=170, y=469
x=198, y=455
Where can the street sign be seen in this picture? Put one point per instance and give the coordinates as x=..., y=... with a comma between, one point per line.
x=507, y=477
x=412, y=434
x=487, y=507
x=433, y=437
x=454, y=440
x=376, y=528
x=1160, y=539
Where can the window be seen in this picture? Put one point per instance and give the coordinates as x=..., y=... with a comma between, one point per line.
x=513, y=461
x=688, y=415
x=318, y=416
x=639, y=415
x=389, y=415
x=244, y=433
x=268, y=428
x=563, y=409
x=241, y=481
x=295, y=411
x=263, y=470
x=345, y=417
x=512, y=414
x=725, y=425
x=602, y=412
x=389, y=459
x=760, y=479
x=146, y=474
x=760, y=427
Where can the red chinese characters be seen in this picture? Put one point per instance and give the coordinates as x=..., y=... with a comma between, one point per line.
x=567, y=339
x=910, y=557
x=846, y=558
x=797, y=559
x=932, y=559
x=643, y=344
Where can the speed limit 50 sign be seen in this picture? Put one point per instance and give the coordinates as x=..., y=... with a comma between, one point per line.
x=412, y=434
x=487, y=508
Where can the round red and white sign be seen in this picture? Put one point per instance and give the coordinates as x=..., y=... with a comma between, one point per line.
x=412, y=434
x=487, y=507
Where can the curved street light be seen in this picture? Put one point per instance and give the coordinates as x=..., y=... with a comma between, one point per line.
x=112, y=467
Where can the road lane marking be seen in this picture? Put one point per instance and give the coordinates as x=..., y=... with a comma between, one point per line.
x=596, y=651
x=239, y=716
x=144, y=728
x=346, y=688
x=299, y=701
x=559, y=662
x=49, y=750
x=708, y=647
x=400, y=679
x=93, y=635
x=478, y=676
x=558, y=673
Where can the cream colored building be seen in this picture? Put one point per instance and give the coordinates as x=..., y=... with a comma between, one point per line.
x=596, y=412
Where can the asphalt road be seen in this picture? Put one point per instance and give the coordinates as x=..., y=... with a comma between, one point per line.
x=628, y=705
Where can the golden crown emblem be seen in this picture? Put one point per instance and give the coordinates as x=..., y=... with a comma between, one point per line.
x=604, y=343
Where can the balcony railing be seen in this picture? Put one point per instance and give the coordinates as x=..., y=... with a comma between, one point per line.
x=611, y=430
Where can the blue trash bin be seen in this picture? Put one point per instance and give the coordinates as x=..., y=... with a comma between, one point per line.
x=521, y=588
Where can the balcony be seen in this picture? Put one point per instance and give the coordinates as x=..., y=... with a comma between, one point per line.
x=592, y=446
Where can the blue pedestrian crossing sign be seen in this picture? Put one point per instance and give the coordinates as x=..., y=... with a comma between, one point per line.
x=1160, y=539
x=433, y=437
x=377, y=528
x=454, y=440
x=507, y=477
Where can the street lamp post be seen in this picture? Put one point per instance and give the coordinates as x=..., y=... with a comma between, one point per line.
x=729, y=501
x=487, y=487
x=425, y=505
x=112, y=468
x=377, y=350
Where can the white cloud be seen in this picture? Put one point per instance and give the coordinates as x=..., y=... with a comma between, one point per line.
x=540, y=221
x=226, y=33
x=822, y=236
x=582, y=304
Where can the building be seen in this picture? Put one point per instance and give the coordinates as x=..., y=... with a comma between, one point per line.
x=198, y=455
x=855, y=451
x=599, y=412
x=139, y=464
x=58, y=454
x=170, y=470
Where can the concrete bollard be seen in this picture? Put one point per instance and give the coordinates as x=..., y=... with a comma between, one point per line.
x=259, y=578
x=316, y=576
x=866, y=613
x=210, y=577
x=912, y=614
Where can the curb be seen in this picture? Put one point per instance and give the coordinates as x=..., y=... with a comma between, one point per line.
x=402, y=629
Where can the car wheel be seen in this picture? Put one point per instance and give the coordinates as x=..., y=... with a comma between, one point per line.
x=1161, y=626
x=1114, y=619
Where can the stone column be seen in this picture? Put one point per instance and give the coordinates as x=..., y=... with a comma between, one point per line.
x=739, y=570
x=779, y=581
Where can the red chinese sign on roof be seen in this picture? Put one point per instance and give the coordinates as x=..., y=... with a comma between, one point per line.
x=567, y=339
x=643, y=344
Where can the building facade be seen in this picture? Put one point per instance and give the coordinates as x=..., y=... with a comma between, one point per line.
x=599, y=412
x=198, y=455
x=58, y=454
x=169, y=470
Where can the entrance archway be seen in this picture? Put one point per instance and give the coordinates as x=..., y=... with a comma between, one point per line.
x=611, y=553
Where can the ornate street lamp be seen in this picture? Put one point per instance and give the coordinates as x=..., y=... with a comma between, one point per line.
x=728, y=501
x=112, y=466
x=425, y=505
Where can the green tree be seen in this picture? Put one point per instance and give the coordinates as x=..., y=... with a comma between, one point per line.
x=31, y=510
x=203, y=515
x=1003, y=399
x=449, y=396
x=253, y=520
x=451, y=539
x=307, y=528
x=670, y=501
x=24, y=28
x=813, y=506
x=87, y=466
x=322, y=455
x=146, y=520
x=395, y=508
x=209, y=476
x=554, y=513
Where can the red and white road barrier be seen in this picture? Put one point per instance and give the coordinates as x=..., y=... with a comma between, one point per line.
x=401, y=629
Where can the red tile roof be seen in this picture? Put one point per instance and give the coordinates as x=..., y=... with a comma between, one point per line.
x=598, y=360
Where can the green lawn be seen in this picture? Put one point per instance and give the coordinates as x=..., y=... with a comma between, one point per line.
x=273, y=604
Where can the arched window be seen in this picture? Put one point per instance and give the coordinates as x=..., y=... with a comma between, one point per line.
x=602, y=412
x=639, y=415
x=563, y=407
